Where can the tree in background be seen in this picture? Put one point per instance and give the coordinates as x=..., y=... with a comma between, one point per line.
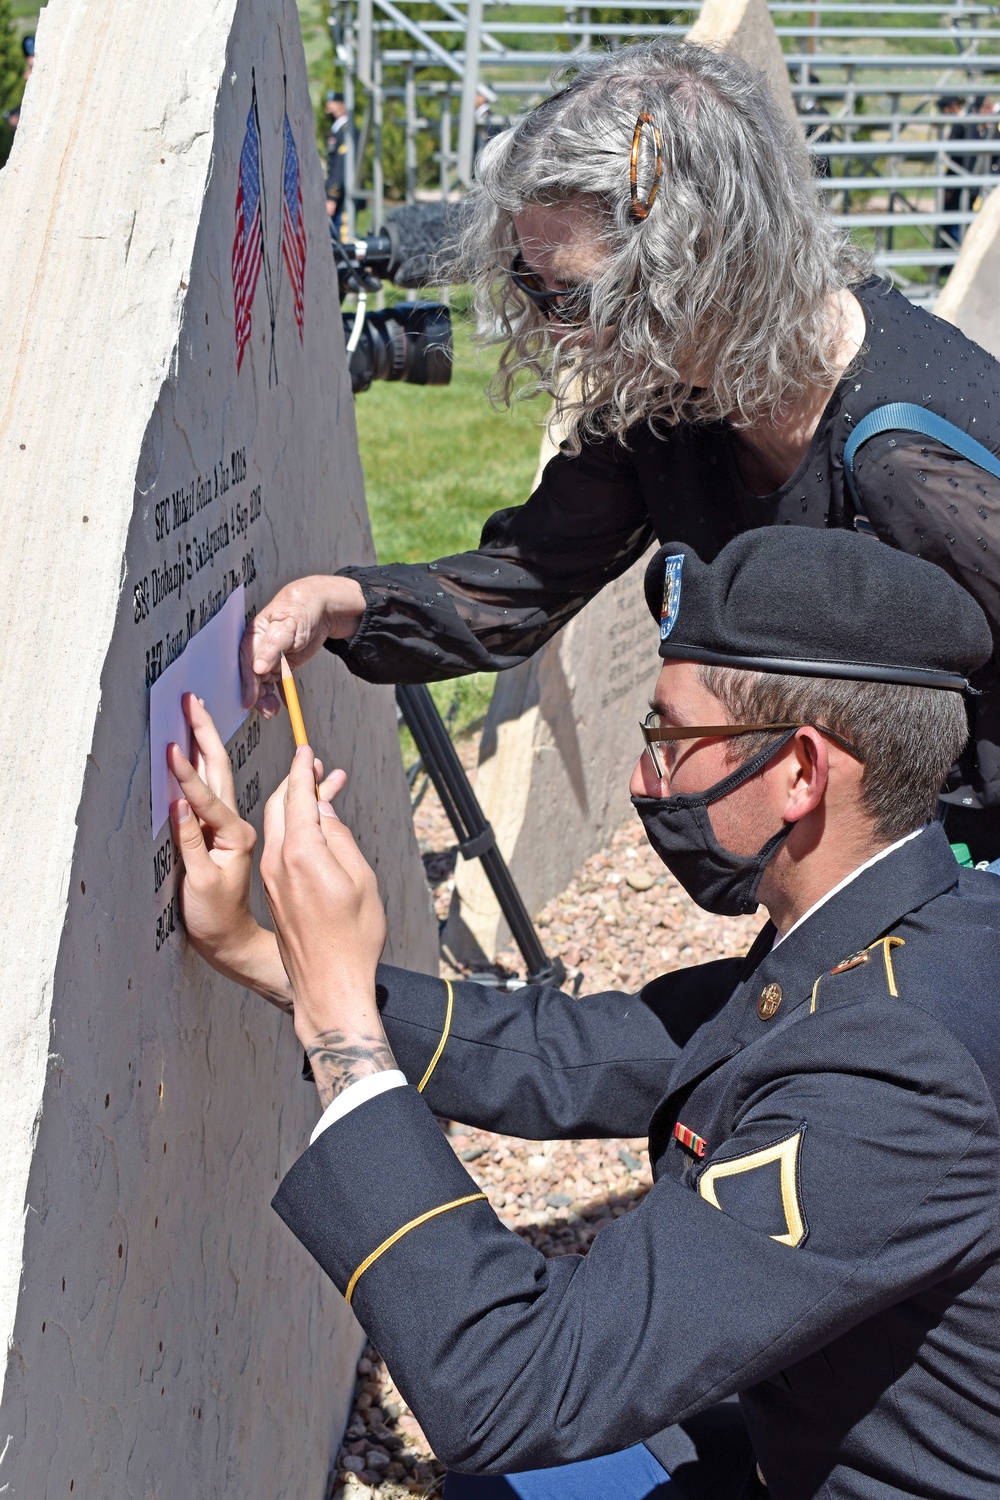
x=11, y=75
x=11, y=59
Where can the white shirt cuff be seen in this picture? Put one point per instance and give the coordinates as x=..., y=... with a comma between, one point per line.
x=355, y=1094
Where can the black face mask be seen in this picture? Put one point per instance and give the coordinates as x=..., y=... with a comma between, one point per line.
x=681, y=832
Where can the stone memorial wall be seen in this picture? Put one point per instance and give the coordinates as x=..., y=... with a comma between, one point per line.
x=176, y=422
x=560, y=741
x=971, y=295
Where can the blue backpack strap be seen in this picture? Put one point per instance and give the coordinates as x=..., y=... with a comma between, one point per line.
x=904, y=416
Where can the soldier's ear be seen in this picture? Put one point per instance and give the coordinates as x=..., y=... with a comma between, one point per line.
x=808, y=770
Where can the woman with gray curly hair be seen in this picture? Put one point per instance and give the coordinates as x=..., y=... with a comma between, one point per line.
x=706, y=282
x=649, y=244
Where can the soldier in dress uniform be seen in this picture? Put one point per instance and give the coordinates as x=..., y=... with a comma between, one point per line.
x=339, y=140
x=822, y=1240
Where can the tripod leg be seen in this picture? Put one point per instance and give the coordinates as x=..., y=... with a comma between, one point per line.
x=476, y=839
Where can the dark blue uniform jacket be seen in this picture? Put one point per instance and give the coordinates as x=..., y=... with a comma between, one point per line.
x=832, y=1255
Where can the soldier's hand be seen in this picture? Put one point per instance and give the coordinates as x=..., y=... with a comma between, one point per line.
x=297, y=621
x=328, y=916
x=215, y=843
x=216, y=846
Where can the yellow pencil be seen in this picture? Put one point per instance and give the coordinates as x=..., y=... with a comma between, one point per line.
x=292, y=703
x=294, y=707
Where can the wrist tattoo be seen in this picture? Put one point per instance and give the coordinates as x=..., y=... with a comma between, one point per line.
x=339, y=1059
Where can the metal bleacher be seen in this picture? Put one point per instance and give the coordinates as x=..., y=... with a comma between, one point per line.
x=909, y=142
x=900, y=102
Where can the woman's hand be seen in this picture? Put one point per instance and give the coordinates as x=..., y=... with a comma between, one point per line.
x=329, y=922
x=299, y=618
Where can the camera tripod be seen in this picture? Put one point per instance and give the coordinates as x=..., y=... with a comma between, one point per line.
x=476, y=839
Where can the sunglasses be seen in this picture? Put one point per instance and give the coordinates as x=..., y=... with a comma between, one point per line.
x=655, y=734
x=570, y=304
x=566, y=306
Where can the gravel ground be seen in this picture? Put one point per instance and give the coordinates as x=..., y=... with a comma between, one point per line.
x=621, y=920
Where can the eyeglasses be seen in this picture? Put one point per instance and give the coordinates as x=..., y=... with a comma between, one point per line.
x=654, y=733
x=567, y=305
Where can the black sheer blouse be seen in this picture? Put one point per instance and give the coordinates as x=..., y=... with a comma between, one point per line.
x=593, y=515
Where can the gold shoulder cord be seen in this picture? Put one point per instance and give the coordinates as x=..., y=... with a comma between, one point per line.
x=431, y=1213
x=886, y=944
x=444, y=1037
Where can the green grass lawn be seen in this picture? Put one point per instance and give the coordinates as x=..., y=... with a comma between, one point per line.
x=438, y=460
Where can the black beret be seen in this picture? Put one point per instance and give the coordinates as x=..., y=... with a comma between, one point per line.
x=817, y=603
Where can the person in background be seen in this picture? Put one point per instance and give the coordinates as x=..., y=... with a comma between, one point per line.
x=339, y=141
x=11, y=118
x=486, y=126
x=950, y=236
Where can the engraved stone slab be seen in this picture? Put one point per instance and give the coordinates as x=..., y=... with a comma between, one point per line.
x=175, y=419
x=971, y=295
x=560, y=741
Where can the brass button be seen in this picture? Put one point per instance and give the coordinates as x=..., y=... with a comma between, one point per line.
x=770, y=999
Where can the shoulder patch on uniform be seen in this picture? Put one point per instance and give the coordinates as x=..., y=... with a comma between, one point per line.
x=673, y=567
x=761, y=1190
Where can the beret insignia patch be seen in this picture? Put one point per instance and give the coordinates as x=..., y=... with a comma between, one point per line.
x=761, y=1190
x=671, y=593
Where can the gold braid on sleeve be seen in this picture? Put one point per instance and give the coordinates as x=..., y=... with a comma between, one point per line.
x=449, y=1008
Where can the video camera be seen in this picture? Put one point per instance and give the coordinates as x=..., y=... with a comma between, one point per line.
x=411, y=341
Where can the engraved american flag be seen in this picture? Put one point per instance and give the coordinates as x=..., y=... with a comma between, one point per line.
x=248, y=244
x=293, y=231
